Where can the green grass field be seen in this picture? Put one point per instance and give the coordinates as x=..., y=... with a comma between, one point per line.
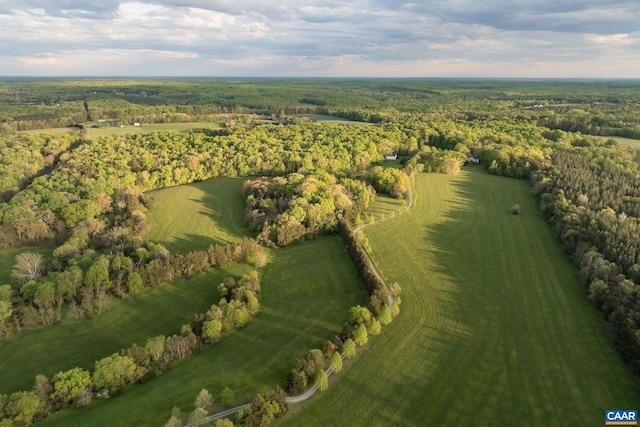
x=94, y=133
x=191, y=217
x=495, y=328
x=385, y=206
x=323, y=118
x=157, y=311
x=307, y=290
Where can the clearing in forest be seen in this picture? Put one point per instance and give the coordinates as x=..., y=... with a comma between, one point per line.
x=191, y=217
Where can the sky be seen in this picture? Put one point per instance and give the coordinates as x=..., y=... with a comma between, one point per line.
x=321, y=38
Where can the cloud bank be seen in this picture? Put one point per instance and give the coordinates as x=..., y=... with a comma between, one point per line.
x=363, y=38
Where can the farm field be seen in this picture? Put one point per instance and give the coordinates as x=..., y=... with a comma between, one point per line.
x=156, y=311
x=307, y=290
x=191, y=217
x=151, y=127
x=323, y=118
x=93, y=133
x=495, y=327
x=386, y=206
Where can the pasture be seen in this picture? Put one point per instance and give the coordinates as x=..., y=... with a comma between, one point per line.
x=495, y=327
x=94, y=133
x=323, y=118
x=191, y=217
x=71, y=343
x=385, y=206
x=307, y=290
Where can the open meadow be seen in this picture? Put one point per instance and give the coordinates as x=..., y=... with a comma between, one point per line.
x=94, y=133
x=71, y=343
x=307, y=290
x=495, y=327
x=191, y=217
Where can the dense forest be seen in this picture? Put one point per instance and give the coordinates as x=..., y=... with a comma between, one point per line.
x=86, y=199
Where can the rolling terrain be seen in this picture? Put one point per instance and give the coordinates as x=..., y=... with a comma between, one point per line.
x=494, y=329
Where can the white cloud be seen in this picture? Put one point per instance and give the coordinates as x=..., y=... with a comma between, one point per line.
x=611, y=39
x=325, y=37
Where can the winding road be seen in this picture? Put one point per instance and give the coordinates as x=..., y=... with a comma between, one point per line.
x=314, y=388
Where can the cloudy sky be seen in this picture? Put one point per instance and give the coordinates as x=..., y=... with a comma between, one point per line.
x=326, y=38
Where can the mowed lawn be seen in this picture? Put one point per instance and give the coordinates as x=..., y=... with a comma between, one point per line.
x=307, y=290
x=156, y=311
x=194, y=216
x=495, y=328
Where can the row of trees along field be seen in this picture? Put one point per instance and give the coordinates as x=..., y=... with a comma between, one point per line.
x=593, y=203
x=384, y=303
x=134, y=364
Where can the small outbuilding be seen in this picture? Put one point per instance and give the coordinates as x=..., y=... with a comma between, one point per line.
x=391, y=156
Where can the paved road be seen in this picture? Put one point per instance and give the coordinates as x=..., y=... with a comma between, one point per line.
x=313, y=389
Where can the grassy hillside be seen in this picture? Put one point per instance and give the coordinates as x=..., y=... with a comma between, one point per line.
x=495, y=327
x=307, y=291
x=191, y=217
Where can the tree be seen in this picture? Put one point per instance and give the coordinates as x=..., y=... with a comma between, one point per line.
x=198, y=414
x=174, y=422
x=155, y=346
x=5, y=313
x=349, y=348
x=44, y=298
x=335, y=362
x=296, y=381
x=27, y=267
x=97, y=276
x=322, y=380
x=134, y=283
x=385, y=315
x=360, y=334
x=211, y=331
x=227, y=396
x=69, y=385
x=515, y=209
x=23, y=407
x=204, y=400
x=5, y=293
x=113, y=372
x=376, y=328
x=359, y=314
x=223, y=422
